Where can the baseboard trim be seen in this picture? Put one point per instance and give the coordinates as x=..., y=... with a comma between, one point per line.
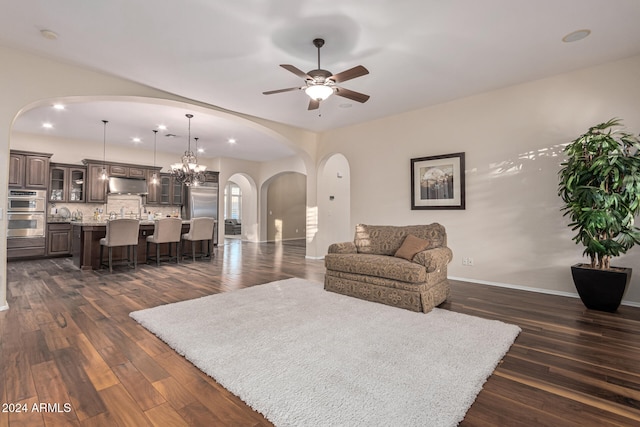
x=314, y=257
x=532, y=289
x=4, y=307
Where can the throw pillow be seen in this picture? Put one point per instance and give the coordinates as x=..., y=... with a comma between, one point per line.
x=411, y=246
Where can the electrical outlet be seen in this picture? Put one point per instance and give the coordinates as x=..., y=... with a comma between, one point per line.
x=470, y=262
x=466, y=261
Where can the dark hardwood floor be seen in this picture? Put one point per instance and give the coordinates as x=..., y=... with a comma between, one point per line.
x=68, y=339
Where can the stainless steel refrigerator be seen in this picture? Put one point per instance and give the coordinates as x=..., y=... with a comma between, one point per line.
x=202, y=200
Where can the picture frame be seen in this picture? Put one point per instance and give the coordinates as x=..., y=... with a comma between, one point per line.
x=437, y=182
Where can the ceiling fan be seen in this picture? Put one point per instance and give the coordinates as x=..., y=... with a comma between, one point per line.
x=320, y=84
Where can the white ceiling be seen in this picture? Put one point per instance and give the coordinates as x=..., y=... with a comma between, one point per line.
x=418, y=52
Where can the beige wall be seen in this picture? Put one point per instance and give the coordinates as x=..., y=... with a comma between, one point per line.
x=286, y=207
x=513, y=138
x=334, y=191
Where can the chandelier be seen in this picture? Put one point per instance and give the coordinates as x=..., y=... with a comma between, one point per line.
x=188, y=172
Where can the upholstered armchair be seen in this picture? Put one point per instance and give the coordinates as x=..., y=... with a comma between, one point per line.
x=402, y=266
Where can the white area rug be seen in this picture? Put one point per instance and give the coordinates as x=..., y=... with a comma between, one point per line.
x=303, y=356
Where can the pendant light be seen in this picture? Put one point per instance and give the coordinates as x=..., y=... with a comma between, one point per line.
x=103, y=173
x=154, y=177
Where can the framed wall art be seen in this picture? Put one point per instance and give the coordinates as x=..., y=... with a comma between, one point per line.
x=437, y=182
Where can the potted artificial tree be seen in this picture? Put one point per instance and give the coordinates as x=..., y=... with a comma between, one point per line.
x=600, y=186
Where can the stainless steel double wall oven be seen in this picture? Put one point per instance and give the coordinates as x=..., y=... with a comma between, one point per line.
x=26, y=214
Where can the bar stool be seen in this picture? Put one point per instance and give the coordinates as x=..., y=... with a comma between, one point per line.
x=121, y=232
x=165, y=230
x=201, y=229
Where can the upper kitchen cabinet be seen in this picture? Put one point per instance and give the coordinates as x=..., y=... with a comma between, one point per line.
x=211, y=177
x=68, y=183
x=170, y=190
x=29, y=170
x=96, y=186
x=127, y=171
x=153, y=196
x=176, y=192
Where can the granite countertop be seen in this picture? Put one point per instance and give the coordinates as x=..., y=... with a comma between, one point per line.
x=58, y=220
x=92, y=222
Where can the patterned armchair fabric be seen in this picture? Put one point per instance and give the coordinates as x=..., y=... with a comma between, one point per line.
x=367, y=268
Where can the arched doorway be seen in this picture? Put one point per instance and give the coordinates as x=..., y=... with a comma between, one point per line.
x=240, y=203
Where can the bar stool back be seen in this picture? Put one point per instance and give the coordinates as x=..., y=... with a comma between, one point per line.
x=121, y=232
x=165, y=230
x=201, y=229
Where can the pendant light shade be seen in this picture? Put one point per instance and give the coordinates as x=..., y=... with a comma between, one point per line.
x=154, y=177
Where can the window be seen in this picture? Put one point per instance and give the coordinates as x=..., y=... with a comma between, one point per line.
x=232, y=201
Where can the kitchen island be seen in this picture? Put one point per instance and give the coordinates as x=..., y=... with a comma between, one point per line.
x=86, y=237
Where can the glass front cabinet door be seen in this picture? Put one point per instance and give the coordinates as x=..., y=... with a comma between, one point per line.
x=67, y=184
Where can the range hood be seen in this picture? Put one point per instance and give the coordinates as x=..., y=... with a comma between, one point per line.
x=127, y=186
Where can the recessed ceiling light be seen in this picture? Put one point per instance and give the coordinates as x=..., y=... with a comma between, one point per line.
x=576, y=35
x=136, y=139
x=200, y=150
x=49, y=35
x=162, y=127
x=47, y=125
x=58, y=106
x=231, y=141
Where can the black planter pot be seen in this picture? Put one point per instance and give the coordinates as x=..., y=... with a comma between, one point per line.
x=601, y=289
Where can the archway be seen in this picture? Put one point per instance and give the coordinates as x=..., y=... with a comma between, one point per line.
x=248, y=208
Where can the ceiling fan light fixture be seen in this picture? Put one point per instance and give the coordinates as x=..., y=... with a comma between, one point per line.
x=319, y=92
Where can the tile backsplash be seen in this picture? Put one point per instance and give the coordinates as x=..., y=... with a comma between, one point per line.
x=128, y=203
x=124, y=205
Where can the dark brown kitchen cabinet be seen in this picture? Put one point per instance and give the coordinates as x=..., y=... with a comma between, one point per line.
x=96, y=186
x=211, y=176
x=67, y=183
x=125, y=171
x=29, y=170
x=153, y=196
x=170, y=190
x=16, y=170
x=176, y=192
x=118, y=170
x=58, y=239
x=165, y=189
x=137, y=173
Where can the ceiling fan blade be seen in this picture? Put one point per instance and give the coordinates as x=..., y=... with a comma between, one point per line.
x=271, y=92
x=349, y=74
x=355, y=96
x=314, y=104
x=298, y=72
